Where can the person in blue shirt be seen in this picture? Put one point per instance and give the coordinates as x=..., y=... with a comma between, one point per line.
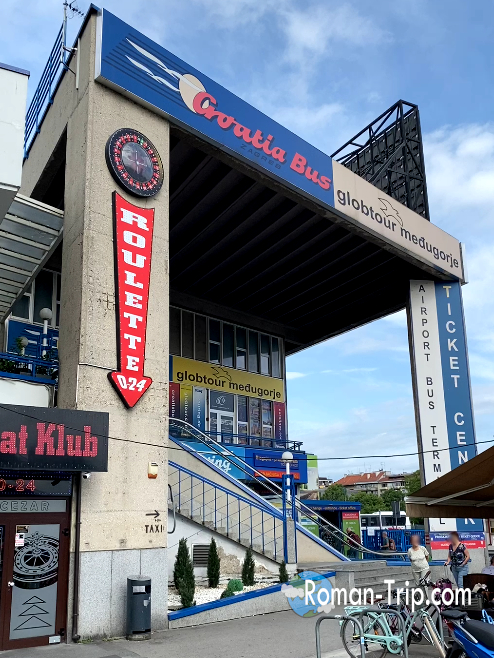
x=458, y=558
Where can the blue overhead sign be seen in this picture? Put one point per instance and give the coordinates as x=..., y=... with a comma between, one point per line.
x=332, y=505
x=133, y=64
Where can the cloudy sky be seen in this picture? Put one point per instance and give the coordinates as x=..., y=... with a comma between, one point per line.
x=325, y=69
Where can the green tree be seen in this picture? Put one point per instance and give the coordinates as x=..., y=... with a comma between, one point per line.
x=180, y=561
x=393, y=494
x=248, y=568
x=214, y=563
x=334, y=492
x=370, y=502
x=283, y=572
x=413, y=484
x=183, y=575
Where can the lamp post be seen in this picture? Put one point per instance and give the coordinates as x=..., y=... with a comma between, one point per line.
x=45, y=314
x=287, y=457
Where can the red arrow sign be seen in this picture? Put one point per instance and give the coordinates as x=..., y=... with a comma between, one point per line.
x=133, y=243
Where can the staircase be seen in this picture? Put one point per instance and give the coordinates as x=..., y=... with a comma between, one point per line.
x=367, y=573
x=227, y=512
x=208, y=495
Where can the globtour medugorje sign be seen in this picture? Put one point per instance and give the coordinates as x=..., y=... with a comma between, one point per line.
x=132, y=64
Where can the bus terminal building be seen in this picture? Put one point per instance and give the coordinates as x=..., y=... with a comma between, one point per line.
x=184, y=244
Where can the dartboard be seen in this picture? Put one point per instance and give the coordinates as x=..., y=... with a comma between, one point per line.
x=36, y=563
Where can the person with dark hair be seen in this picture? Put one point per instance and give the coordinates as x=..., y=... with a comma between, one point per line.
x=354, y=543
x=458, y=557
x=489, y=570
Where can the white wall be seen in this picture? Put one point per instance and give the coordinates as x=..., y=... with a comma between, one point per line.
x=232, y=554
x=13, y=94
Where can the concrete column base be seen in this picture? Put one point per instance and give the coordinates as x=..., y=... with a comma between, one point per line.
x=103, y=589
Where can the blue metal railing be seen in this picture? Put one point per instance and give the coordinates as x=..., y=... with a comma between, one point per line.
x=30, y=369
x=251, y=441
x=211, y=504
x=401, y=538
x=43, y=96
x=326, y=531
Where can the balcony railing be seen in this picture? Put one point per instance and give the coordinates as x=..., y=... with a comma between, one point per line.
x=245, y=440
x=30, y=369
x=43, y=96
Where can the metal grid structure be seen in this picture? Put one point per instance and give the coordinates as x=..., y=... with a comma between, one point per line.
x=43, y=96
x=388, y=153
x=29, y=234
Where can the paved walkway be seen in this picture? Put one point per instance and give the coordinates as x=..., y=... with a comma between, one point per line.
x=277, y=635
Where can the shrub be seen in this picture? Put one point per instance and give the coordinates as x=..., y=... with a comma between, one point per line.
x=213, y=565
x=283, y=572
x=183, y=575
x=226, y=593
x=180, y=561
x=248, y=568
x=235, y=585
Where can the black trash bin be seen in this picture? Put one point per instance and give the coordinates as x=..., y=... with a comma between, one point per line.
x=138, y=608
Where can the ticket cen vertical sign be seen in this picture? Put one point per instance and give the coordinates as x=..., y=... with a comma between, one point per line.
x=441, y=385
x=133, y=242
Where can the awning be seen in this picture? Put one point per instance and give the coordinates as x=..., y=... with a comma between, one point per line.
x=467, y=491
x=29, y=233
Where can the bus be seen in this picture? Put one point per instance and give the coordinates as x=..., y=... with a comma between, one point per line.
x=384, y=521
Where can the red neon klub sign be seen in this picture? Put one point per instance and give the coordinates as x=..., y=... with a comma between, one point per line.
x=133, y=243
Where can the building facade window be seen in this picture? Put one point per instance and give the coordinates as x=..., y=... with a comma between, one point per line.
x=198, y=337
x=44, y=292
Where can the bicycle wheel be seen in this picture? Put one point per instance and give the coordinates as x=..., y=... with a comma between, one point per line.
x=351, y=639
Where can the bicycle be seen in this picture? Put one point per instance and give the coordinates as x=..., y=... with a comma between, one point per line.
x=381, y=637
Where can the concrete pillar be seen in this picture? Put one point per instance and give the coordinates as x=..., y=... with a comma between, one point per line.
x=115, y=541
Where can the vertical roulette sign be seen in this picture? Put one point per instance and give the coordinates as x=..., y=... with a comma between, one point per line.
x=135, y=164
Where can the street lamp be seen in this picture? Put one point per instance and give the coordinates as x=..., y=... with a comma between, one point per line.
x=287, y=457
x=45, y=314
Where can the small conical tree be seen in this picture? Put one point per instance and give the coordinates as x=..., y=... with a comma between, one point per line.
x=248, y=568
x=180, y=561
x=183, y=575
x=283, y=572
x=213, y=565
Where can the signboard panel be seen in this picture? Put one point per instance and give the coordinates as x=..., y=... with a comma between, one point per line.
x=188, y=372
x=334, y=506
x=441, y=385
x=133, y=244
x=280, y=424
x=32, y=438
x=270, y=464
x=441, y=541
x=225, y=464
x=33, y=505
x=132, y=64
x=394, y=222
x=138, y=67
x=19, y=484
